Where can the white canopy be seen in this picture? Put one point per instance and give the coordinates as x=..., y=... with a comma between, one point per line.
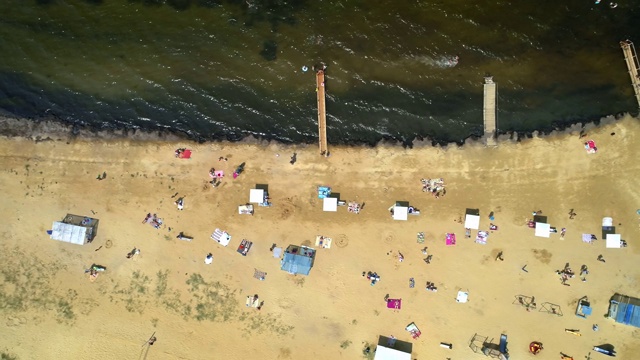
x=472, y=222
x=614, y=241
x=543, y=230
x=69, y=233
x=256, y=196
x=400, y=212
x=607, y=221
x=330, y=204
x=385, y=353
x=462, y=297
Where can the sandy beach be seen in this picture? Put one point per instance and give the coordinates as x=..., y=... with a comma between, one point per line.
x=51, y=310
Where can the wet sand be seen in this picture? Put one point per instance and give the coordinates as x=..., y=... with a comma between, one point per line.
x=52, y=310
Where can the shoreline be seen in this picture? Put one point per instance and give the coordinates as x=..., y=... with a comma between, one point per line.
x=55, y=129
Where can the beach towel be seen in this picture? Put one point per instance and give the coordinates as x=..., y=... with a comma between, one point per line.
x=412, y=283
x=394, y=304
x=413, y=329
x=481, y=238
x=420, y=238
x=218, y=173
x=277, y=252
x=450, y=239
x=260, y=275
x=323, y=242
x=587, y=238
x=590, y=146
x=186, y=154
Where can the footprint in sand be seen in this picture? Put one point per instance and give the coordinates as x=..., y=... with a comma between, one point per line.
x=285, y=303
x=388, y=237
x=342, y=241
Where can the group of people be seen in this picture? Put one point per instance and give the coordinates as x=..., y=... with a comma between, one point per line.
x=566, y=274
x=373, y=276
x=434, y=186
x=154, y=220
x=431, y=286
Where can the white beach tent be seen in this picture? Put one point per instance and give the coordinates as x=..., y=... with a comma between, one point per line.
x=462, y=297
x=543, y=230
x=256, y=196
x=614, y=241
x=69, y=233
x=385, y=353
x=400, y=212
x=222, y=237
x=330, y=204
x=472, y=222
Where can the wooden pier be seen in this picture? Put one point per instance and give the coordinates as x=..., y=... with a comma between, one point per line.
x=322, y=113
x=631, y=58
x=489, y=111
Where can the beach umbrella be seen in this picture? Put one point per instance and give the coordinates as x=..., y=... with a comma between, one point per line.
x=535, y=347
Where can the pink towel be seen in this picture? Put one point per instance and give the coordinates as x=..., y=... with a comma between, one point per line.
x=451, y=239
x=394, y=304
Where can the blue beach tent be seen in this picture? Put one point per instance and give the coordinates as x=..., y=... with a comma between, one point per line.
x=625, y=310
x=323, y=192
x=298, y=260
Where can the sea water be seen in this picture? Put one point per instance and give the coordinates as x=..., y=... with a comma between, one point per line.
x=397, y=69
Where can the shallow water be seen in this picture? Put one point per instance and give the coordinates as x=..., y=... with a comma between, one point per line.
x=215, y=68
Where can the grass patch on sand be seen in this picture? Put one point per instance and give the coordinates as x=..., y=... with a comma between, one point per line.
x=6, y=356
x=260, y=323
x=26, y=284
x=161, y=283
x=135, y=296
x=214, y=300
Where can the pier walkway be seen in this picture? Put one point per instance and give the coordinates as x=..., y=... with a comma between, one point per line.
x=322, y=113
x=489, y=110
x=631, y=58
